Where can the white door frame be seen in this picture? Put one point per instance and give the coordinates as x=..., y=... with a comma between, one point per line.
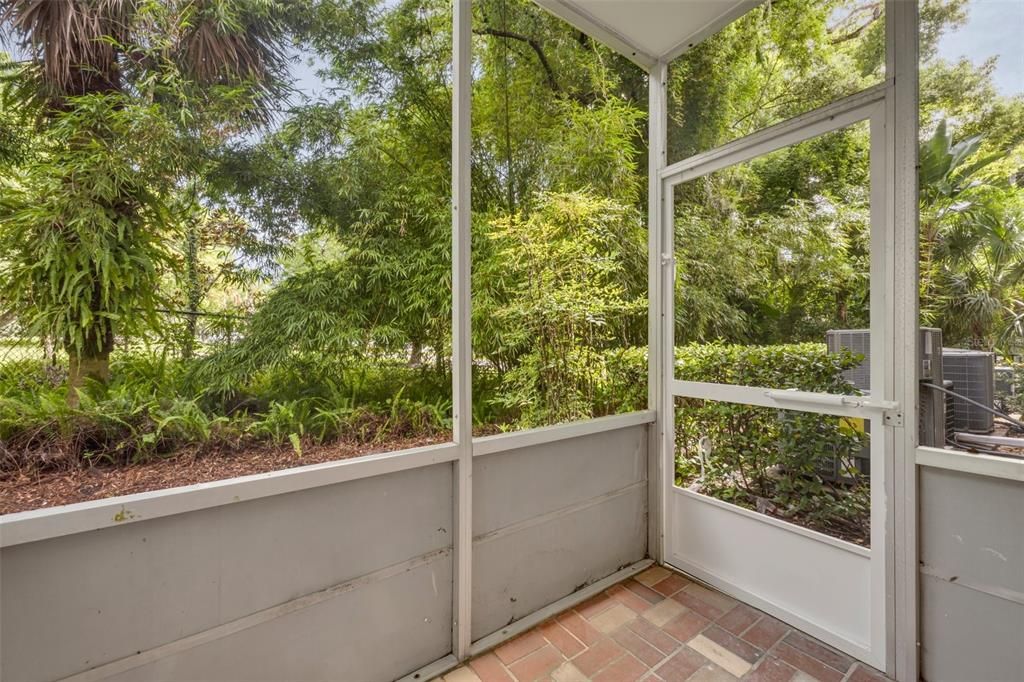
x=881, y=408
x=901, y=148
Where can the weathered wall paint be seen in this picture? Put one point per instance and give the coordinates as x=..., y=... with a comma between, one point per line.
x=972, y=577
x=349, y=581
x=552, y=518
x=80, y=601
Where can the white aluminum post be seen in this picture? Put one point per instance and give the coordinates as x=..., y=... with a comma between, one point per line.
x=667, y=336
x=657, y=133
x=902, y=132
x=882, y=378
x=462, y=352
x=667, y=413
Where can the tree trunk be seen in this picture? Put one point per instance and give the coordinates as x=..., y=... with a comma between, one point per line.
x=91, y=362
x=194, y=290
x=416, y=354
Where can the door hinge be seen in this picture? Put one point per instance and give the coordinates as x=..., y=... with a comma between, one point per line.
x=893, y=418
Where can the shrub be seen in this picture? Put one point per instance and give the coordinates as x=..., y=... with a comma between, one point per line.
x=1011, y=399
x=560, y=295
x=124, y=422
x=770, y=459
x=154, y=407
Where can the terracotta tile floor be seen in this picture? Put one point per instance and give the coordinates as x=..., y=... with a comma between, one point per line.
x=661, y=626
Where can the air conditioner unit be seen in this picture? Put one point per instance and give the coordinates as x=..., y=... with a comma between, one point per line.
x=858, y=341
x=932, y=426
x=936, y=415
x=1006, y=390
x=973, y=375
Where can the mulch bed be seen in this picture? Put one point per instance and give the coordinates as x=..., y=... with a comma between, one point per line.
x=21, y=491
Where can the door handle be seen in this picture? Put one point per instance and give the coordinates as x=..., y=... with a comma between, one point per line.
x=855, y=401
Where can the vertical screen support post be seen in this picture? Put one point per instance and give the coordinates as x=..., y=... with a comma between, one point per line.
x=657, y=136
x=901, y=17
x=462, y=352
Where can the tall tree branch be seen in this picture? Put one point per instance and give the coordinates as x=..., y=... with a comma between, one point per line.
x=533, y=43
x=873, y=12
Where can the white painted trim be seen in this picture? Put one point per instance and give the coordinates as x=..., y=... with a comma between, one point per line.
x=744, y=543
x=504, y=442
x=980, y=465
x=266, y=615
x=881, y=322
x=778, y=584
x=786, y=395
x=577, y=16
x=657, y=146
x=461, y=216
x=710, y=29
x=42, y=524
x=869, y=105
x=667, y=320
x=778, y=523
x=553, y=609
x=838, y=114
x=901, y=149
x=708, y=577
x=462, y=340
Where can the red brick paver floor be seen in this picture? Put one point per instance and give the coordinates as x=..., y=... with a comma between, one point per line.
x=661, y=626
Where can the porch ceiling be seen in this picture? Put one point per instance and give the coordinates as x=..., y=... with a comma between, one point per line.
x=648, y=31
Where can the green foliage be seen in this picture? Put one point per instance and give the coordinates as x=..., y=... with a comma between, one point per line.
x=149, y=410
x=777, y=249
x=769, y=459
x=140, y=174
x=15, y=117
x=112, y=424
x=779, y=60
x=948, y=171
x=562, y=297
x=125, y=97
x=79, y=224
x=972, y=244
x=315, y=318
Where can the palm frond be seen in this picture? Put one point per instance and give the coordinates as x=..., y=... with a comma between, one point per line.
x=70, y=39
x=235, y=42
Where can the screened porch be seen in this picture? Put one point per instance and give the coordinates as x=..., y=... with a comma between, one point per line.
x=588, y=549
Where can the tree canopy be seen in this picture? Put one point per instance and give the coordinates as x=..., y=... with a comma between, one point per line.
x=161, y=156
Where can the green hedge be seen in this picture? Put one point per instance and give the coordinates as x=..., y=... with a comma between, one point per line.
x=770, y=459
x=761, y=458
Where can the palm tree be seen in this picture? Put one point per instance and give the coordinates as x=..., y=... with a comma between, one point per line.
x=128, y=49
x=83, y=46
x=972, y=244
x=981, y=267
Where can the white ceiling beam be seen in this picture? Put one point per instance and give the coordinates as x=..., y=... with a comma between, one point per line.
x=732, y=12
x=584, y=21
x=627, y=42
